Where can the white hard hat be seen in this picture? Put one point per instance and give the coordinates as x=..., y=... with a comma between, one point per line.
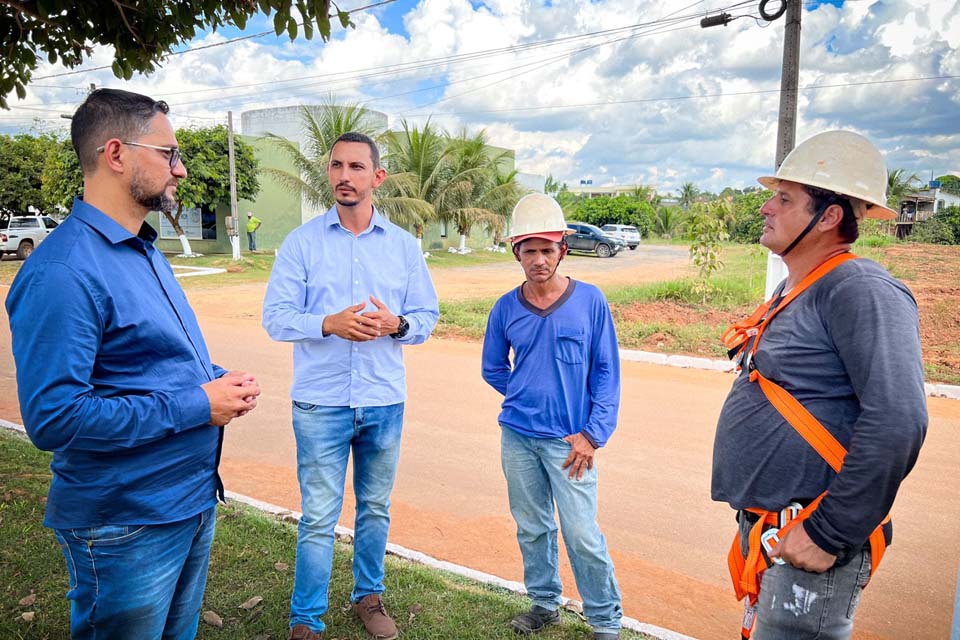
x=537, y=215
x=843, y=162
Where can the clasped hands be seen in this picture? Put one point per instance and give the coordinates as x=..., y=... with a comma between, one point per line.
x=232, y=395
x=350, y=324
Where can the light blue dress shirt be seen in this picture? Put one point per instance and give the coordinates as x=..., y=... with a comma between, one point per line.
x=321, y=269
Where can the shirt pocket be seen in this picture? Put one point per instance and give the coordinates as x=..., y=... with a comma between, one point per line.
x=571, y=345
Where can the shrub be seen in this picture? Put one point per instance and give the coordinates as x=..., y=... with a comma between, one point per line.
x=935, y=230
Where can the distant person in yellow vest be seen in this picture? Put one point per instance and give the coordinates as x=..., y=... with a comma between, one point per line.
x=828, y=414
x=253, y=223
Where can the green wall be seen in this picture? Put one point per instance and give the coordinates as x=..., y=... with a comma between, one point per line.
x=276, y=207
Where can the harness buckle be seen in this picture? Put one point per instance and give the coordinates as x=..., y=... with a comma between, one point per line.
x=773, y=534
x=789, y=512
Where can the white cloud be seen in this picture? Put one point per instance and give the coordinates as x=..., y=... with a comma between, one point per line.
x=641, y=119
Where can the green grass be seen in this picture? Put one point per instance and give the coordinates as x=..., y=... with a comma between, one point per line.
x=8, y=269
x=442, y=259
x=427, y=604
x=702, y=340
x=464, y=318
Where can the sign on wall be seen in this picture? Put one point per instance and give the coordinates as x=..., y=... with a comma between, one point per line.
x=190, y=220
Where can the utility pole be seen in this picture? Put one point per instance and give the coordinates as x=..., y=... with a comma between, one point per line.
x=233, y=229
x=787, y=123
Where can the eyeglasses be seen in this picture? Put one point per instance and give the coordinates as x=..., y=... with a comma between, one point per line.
x=173, y=153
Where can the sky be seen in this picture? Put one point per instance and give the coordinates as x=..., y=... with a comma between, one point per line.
x=614, y=91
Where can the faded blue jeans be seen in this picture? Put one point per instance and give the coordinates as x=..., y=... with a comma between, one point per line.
x=143, y=582
x=799, y=605
x=535, y=483
x=955, y=632
x=325, y=438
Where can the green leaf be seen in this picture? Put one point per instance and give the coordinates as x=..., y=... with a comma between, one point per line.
x=323, y=23
x=292, y=28
x=308, y=29
x=279, y=22
x=117, y=69
x=344, y=19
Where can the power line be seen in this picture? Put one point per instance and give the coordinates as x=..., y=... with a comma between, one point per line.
x=210, y=46
x=433, y=63
x=813, y=87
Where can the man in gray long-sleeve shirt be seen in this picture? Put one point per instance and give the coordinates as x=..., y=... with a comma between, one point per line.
x=848, y=349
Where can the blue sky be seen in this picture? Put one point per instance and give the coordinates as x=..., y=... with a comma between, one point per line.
x=658, y=105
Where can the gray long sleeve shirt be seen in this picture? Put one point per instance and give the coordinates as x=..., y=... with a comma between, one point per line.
x=848, y=349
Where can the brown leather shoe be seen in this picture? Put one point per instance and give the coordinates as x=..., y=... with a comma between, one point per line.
x=303, y=632
x=375, y=619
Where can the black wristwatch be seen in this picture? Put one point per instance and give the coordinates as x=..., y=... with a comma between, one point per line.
x=402, y=329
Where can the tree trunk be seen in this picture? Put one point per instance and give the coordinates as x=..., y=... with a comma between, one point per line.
x=174, y=221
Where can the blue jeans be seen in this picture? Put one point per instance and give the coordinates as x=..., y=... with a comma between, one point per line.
x=252, y=240
x=955, y=633
x=325, y=436
x=138, y=581
x=535, y=482
x=799, y=605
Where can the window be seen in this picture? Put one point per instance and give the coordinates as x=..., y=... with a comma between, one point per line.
x=49, y=223
x=443, y=228
x=24, y=223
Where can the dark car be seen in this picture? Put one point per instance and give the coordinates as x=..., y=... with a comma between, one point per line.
x=591, y=239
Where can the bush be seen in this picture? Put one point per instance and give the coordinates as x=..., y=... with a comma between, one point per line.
x=620, y=210
x=935, y=230
x=746, y=223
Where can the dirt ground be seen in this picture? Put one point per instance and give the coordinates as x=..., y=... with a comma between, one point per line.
x=933, y=274
x=668, y=540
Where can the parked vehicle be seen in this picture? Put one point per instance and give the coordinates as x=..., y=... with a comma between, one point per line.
x=627, y=233
x=22, y=234
x=589, y=238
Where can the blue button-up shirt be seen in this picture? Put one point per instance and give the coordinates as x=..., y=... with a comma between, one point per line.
x=321, y=269
x=110, y=360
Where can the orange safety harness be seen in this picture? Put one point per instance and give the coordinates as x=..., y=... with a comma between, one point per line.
x=742, y=339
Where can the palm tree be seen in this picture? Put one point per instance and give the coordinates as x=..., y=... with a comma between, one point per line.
x=416, y=160
x=667, y=221
x=551, y=186
x=899, y=184
x=501, y=198
x=688, y=194
x=310, y=180
x=465, y=198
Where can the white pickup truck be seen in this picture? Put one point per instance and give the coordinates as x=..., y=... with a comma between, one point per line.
x=22, y=234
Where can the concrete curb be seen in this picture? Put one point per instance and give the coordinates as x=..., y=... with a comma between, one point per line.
x=935, y=390
x=346, y=535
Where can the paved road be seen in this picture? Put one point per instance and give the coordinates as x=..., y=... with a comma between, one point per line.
x=668, y=540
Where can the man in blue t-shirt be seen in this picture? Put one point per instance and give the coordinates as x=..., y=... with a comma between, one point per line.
x=561, y=396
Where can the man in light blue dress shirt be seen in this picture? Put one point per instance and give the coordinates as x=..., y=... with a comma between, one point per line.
x=349, y=289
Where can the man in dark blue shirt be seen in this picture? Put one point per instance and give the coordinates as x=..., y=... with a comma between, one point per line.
x=114, y=377
x=561, y=397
